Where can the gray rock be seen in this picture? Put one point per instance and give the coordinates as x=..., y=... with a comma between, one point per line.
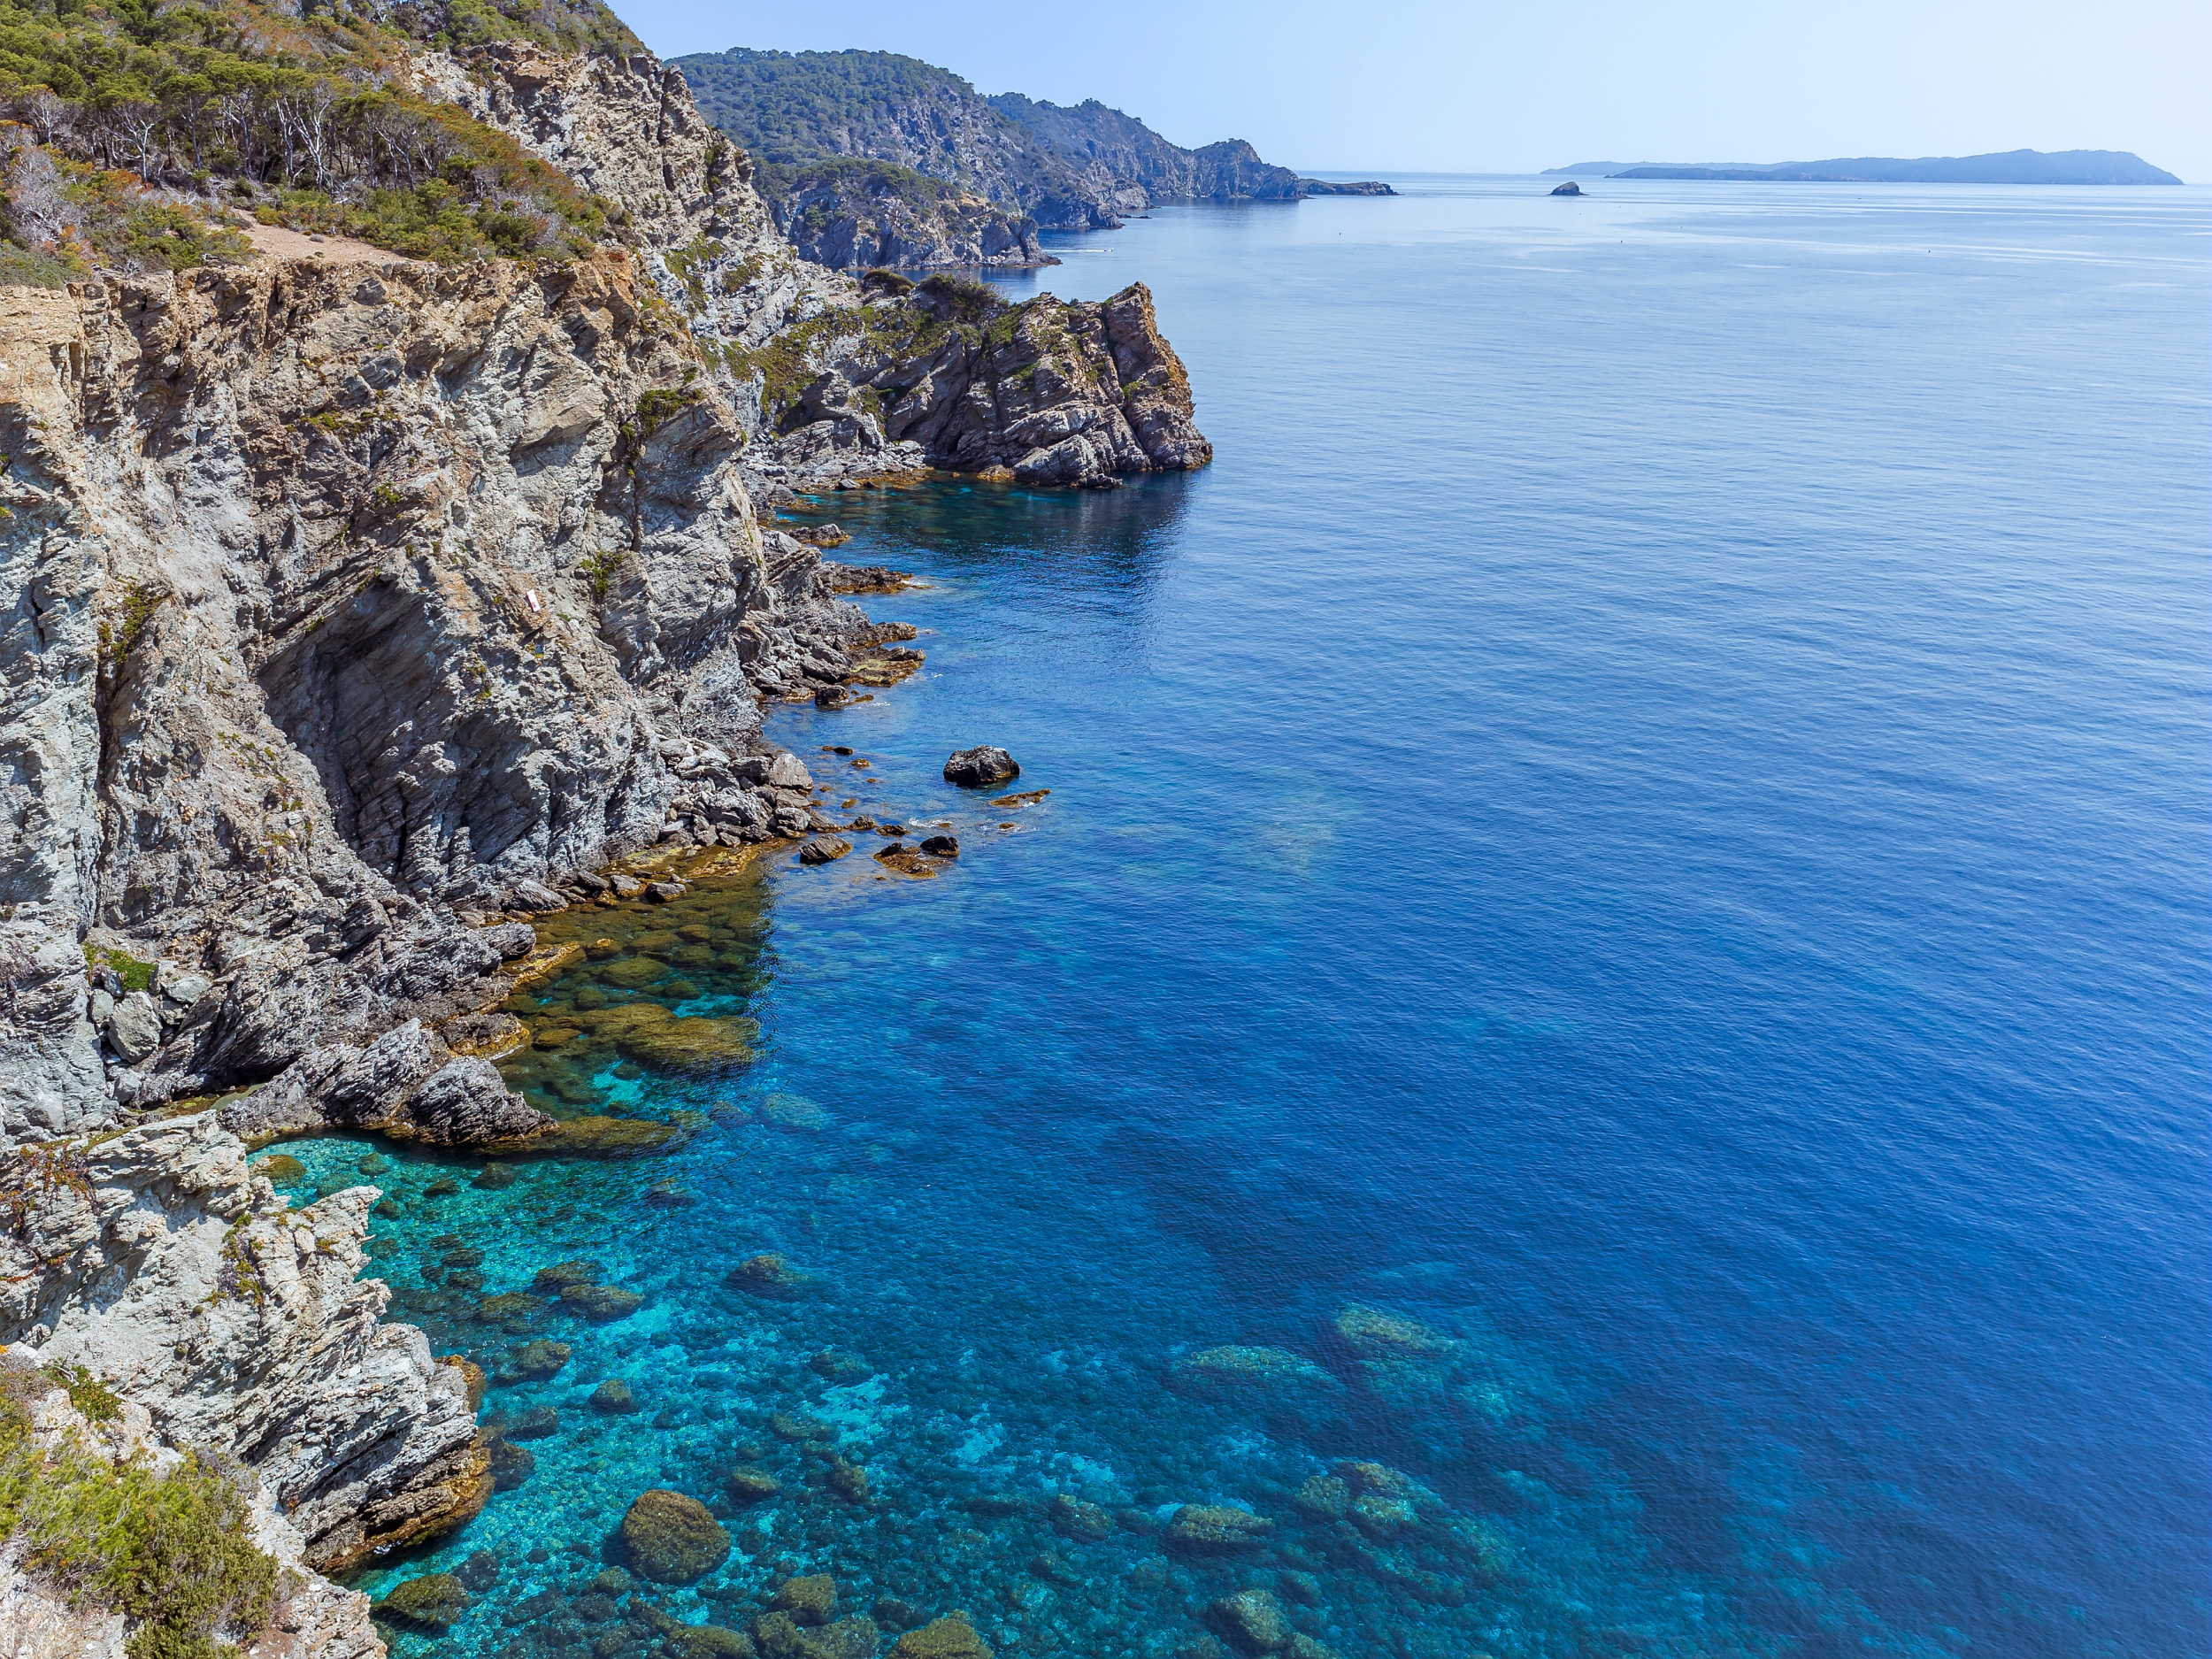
x=824, y=849
x=134, y=1029
x=465, y=1103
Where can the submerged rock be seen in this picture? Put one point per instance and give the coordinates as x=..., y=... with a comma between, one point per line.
x=535, y=1361
x=511, y=1465
x=770, y=1275
x=709, y=1641
x=1207, y=1529
x=1256, y=1370
x=613, y=1397
x=1072, y=1517
x=601, y=1304
x=810, y=1599
x=793, y=1111
x=671, y=1538
x=751, y=1485
x=981, y=767
x=951, y=1637
x=281, y=1169
x=431, y=1602
x=551, y=1281
x=537, y=1424
x=1252, y=1621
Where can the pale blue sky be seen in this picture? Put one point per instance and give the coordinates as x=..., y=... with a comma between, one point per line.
x=1517, y=87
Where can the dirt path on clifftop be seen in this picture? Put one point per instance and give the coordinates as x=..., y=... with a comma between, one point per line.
x=273, y=241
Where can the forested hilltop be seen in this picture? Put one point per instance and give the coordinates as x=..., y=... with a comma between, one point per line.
x=872, y=158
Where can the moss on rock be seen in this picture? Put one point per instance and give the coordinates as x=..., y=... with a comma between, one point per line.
x=671, y=1538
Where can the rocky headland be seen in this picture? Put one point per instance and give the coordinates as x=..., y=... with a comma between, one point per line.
x=876, y=159
x=360, y=610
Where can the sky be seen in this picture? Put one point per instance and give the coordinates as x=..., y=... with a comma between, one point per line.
x=1431, y=85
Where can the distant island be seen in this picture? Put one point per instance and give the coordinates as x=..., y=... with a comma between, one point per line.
x=2009, y=166
x=872, y=158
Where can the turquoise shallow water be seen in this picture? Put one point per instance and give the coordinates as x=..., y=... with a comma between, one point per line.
x=1625, y=880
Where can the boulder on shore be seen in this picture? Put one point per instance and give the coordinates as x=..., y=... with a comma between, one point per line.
x=981, y=767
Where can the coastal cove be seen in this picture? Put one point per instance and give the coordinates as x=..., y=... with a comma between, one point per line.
x=1616, y=936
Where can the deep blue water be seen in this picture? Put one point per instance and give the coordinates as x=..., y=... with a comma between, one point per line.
x=1649, y=814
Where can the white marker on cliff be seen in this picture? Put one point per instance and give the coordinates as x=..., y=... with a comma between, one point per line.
x=531, y=593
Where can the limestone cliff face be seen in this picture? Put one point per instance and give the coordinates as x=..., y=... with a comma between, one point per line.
x=349, y=596
x=242, y=1327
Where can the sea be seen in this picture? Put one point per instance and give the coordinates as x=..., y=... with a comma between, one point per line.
x=1585, y=1033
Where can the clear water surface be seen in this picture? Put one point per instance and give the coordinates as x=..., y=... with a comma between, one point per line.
x=1625, y=881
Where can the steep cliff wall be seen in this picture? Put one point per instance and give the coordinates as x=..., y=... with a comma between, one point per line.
x=347, y=605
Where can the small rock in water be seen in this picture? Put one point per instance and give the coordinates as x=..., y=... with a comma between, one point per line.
x=709, y=1641
x=1568, y=189
x=769, y=1275
x=824, y=849
x=613, y=1397
x=1251, y=1620
x=848, y=1479
x=671, y=1538
x=479, y=1571
x=1072, y=1517
x=510, y=1465
x=838, y=1366
x=1206, y=1529
x=811, y=1600
x=942, y=846
x=793, y=1111
x=784, y=1426
x=495, y=1177
x=551, y=1281
x=981, y=767
x=752, y=1486
x=951, y=1637
x=1326, y=1498
x=536, y=1360
x=601, y=1304
x=1027, y=797
x=281, y=1169
x=375, y=1164
x=536, y=1424
x=429, y=1603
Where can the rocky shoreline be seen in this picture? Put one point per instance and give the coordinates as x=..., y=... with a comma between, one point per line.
x=359, y=612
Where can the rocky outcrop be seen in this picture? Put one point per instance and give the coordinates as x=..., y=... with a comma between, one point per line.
x=241, y=1328
x=856, y=215
x=812, y=363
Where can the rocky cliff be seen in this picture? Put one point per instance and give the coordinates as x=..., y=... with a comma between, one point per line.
x=351, y=605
